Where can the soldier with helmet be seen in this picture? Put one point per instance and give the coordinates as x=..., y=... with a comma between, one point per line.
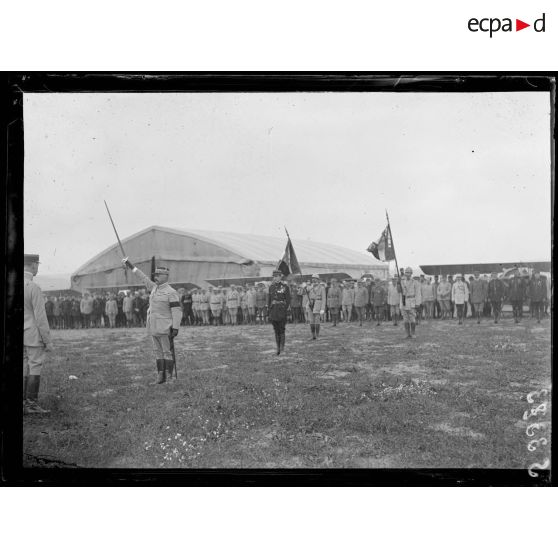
x=36, y=336
x=410, y=297
x=278, y=302
x=163, y=317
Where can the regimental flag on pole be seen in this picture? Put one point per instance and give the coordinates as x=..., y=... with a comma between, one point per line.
x=383, y=249
x=288, y=264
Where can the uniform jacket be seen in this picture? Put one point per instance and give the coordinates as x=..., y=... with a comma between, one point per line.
x=496, y=290
x=460, y=292
x=348, y=296
x=49, y=308
x=296, y=297
x=444, y=290
x=516, y=290
x=111, y=307
x=36, y=332
x=379, y=295
x=361, y=297
x=261, y=298
x=56, y=307
x=233, y=300
x=334, y=297
x=427, y=292
x=76, y=308
x=251, y=298
x=410, y=291
x=278, y=301
x=216, y=302
x=537, y=290
x=478, y=291
x=394, y=298
x=127, y=304
x=98, y=306
x=164, y=307
x=86, y=305
x=66, y=307
x=435, y=289
x=317, y=297
x=203, y=301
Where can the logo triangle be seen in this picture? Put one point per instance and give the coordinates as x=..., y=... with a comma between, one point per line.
x=519, y=25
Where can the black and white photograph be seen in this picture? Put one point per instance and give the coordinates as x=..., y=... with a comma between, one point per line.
x=316, y=273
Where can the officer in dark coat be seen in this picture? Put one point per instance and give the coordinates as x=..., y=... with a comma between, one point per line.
x=278, y=302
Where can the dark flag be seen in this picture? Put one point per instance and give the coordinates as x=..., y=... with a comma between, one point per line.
x=383, y=249
x=153, y=266
x=288, y=264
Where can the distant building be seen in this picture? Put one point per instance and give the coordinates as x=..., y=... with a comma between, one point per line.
x=196, y=256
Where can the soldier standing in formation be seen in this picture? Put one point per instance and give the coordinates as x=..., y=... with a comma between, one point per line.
x=334, y=301
x=316, y=305
x=163, y=317
x=496, y=291
x=409, y=295
x=517, y=295
x=479, y=293
x=278, y=302
x=537, y=295
x=36, y=336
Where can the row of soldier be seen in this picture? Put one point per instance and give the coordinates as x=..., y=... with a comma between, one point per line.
x=347, y=301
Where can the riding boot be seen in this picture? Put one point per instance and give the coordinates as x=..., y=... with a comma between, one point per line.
x=282, y=341
x=413, y=331
x=31, y=405
x=313, y=330
x=161, y=372
x=169, y=367
x=317, y=330
x=278, y=342
x=408, y=329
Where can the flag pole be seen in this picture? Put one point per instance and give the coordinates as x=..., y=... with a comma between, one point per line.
x=394, y=254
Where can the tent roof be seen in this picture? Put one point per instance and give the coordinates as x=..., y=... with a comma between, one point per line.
x=261, y=248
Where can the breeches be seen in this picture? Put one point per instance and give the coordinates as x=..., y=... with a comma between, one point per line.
x=478, y=307
x=278, y=326
x=496, y=307
x=33, y=358
x=314, y=317
x=161, y=346
x=408, y=315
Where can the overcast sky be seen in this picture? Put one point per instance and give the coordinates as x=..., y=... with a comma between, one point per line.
x=465, y=177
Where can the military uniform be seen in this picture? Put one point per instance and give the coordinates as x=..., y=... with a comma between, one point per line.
x=495, y=293
x=163, y=319
x=410, y=297
x=278, y=302
x=36, y=338
x=316, y=305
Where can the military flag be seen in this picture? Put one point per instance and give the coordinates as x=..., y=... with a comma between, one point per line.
x=288, y=264
x=383, y=249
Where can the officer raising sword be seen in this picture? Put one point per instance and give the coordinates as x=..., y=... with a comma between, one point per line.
x=163, y=317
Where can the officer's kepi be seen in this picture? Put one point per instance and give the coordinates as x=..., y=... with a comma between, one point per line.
x=277, y=272
x=30, y=258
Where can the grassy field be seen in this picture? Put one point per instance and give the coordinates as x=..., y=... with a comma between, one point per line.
x=357, y=397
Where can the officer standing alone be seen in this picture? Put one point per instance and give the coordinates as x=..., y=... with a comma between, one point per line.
x=409, y=300
x=163, y=317
x=36, y=336
x=278, y=302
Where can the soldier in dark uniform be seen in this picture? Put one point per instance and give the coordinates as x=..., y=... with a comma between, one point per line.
x=163, y=318
x=516, y=295
x=278, y=302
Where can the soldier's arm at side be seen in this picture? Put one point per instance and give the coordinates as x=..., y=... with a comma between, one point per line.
x=40, y=314
x=176, y=311
x=288, y=296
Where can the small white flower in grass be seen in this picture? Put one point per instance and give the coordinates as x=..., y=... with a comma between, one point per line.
x=72, y=377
